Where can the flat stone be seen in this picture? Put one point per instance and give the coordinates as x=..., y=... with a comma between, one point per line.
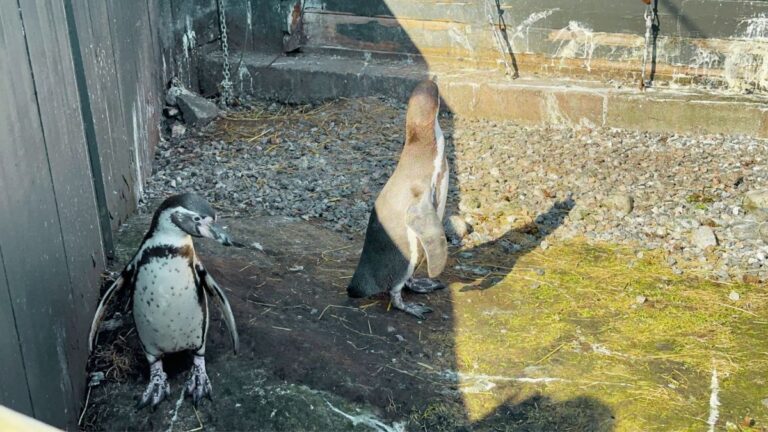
x=196, y=110
x=703, y=237
x=622, y=203
x=755, y=200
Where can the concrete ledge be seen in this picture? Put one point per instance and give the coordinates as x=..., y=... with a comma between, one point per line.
x=489, y=94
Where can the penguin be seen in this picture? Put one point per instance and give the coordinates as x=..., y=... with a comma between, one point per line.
x=405, y=225
x=169, y=288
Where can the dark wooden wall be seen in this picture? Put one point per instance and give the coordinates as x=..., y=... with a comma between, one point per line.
x=78, y=127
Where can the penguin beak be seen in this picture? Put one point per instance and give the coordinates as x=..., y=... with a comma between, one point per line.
x=215, y=232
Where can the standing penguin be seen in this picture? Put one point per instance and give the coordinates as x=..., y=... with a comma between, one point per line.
x=169, y=290
x=406, y=222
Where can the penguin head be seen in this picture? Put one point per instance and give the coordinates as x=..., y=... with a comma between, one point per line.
x=191, y=214
x=423, y=107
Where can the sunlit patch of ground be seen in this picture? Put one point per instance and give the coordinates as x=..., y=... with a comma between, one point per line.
x=620, y=332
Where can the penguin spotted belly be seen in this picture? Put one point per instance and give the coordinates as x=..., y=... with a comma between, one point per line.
x=170, y=310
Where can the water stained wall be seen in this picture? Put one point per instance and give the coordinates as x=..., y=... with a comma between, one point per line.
x=710, y=43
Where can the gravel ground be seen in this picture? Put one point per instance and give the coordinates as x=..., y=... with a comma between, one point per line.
x=682, y=193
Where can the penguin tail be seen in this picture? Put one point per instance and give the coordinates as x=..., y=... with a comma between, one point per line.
x=361, y=285
x=356, y=291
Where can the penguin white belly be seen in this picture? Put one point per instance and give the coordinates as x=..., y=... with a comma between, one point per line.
x=167, y=310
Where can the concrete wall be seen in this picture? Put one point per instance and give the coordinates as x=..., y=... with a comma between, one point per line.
x=713, y=43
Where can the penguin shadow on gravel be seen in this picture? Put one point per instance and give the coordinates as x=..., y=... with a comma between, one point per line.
x=498, y=257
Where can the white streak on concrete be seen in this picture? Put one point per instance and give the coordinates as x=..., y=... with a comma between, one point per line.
x=242, y=74
x=249, y=16
x=576, y=41
x=189, y=38
x=370, y=421
x=714, y=402
x=523, y=29
x=756, y=28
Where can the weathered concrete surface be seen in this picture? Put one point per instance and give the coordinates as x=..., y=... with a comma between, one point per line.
x=489, y=94
x=709, y=43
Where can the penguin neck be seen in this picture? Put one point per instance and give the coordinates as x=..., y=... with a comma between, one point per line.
x=167, y=233
x=174, y=238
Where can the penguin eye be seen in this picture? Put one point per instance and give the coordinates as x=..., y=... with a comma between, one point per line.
x=196, y=218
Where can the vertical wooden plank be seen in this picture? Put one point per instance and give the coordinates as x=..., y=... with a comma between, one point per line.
x=92, y=24
x=133, y=49
x=52, y=66
x=14, y=392
x=33, y=251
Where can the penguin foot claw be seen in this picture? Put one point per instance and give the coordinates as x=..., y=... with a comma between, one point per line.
x=157, y=390
x=416, y=309
x=423, y=285
x=198, y=385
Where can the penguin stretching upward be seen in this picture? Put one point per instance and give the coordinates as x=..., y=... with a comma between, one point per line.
x=169, y=290
x=405, y=225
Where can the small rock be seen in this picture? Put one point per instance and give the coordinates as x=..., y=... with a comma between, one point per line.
x=754, y=200
x=734, y=296
x=399, y=338
x=544, y=245
x=390, y=329
x=196, y=110
x=703, y=237
x=641, y=299
x=296, y=268
x=95, y=378
x=178, y=130
x=171, y=112
x=457, y=228
x=622, y=203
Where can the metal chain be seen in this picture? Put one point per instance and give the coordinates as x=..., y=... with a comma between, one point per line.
x=650, y=16
x=226, y=84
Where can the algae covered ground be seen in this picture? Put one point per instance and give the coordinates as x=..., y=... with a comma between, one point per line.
x=595, y=324
x=578, y=337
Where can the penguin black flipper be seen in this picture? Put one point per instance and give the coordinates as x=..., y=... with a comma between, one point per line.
x=422, y=218
x=214, y=290
x=125, y=275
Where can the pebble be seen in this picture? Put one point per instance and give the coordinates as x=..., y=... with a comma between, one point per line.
x=734, y=296
x=704, y=237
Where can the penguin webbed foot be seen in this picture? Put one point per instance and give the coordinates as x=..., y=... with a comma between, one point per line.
x=198, y=385
x=423, y=285
x=416, y=309
x=157, y=389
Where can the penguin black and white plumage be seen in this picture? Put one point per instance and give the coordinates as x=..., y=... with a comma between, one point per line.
x=405, y=225
x=169, y=289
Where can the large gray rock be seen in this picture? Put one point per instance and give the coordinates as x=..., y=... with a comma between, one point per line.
x=196, y=110
x=703, y=237
x=755, y=200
